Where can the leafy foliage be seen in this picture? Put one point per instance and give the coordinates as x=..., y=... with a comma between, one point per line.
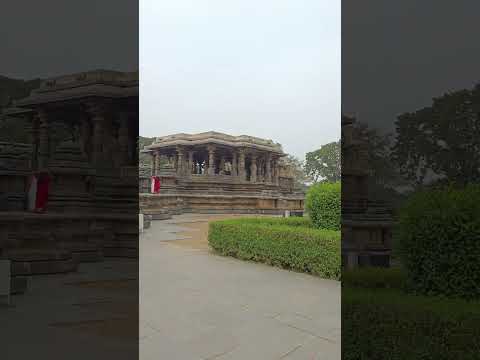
x=288, y=243
x=443, y=139
x=324, y=163
x=323, y=202
x=439, y=239
x=383, y=169
x=389, y=324
x=299, y=175
x=13, y=89
x=13, y=129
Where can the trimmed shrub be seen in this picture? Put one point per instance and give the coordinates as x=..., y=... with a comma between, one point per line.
x=375, y=278
x=285, y=243
x=439, y=239
x=290, y=221
x=323, y=203
x=388, y=324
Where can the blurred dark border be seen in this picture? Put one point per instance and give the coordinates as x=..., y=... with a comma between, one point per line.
x=410, y=174
x=69, y=179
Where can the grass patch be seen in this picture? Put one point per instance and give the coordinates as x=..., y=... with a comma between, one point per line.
x=291, y=243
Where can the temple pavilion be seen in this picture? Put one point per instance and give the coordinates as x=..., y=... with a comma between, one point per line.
x=215, y=172
x=79, y=130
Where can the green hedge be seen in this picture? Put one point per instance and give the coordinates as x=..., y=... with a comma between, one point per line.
x=288, y=243
x=388, y=324
x=375, y=278
x=323, y=203
x=439, y=239
x=290, y=221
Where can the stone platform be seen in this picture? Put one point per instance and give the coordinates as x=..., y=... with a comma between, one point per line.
x=161, y=206
x=52, y=243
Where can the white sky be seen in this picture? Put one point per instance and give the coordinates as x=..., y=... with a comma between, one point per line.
x=268, y=68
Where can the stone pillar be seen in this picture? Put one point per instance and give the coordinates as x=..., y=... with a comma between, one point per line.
x=261, y=170
x=43, y=143
x=191, y=165
x=241, y=164
x=157, y=162
x=221, y=171
x=276, y=172
x=97, y=113
x=153, y=163
x=31, y=132
x=85, y=136
x=180, y=161
x=253, y=169
x=268, y=169
x=97, y=139
x=211, y=160
x=35, y=135
x=174, y=161
x=123, y=138
x=234, y=164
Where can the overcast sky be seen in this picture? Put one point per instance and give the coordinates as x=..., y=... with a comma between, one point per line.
x=41, y=39
x=267, y=68
x=398, y=55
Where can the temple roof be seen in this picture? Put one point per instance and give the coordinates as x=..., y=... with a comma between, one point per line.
x=99, y=83
x=216, y=138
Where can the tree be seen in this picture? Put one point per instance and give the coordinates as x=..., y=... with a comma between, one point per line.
x=324, y=163
x=296, y=166
x=381, y=162
x=441, y=142
x=13, y=129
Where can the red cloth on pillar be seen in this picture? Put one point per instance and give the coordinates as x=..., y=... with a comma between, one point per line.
x=42, y=192
x=155, y=188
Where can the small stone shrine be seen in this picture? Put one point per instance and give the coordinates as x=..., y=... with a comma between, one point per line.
x=213, y=172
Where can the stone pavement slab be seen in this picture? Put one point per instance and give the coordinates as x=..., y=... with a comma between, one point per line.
x=198, y=305
x=90, y=314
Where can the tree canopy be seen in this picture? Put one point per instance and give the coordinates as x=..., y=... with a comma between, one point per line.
x=441, y=142
x=324, y=163
x=300, y=178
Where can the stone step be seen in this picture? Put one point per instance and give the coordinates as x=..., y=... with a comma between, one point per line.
x=41, y=261
x=83, y=252
x=121, y=252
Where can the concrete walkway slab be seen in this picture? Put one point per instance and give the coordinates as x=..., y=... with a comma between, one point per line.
x=198, y=305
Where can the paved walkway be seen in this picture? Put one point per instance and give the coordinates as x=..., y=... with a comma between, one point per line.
x=196, y=305
x=90, y=314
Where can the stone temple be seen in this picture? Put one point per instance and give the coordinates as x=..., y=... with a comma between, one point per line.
x=213, y=172
x=81, y=130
